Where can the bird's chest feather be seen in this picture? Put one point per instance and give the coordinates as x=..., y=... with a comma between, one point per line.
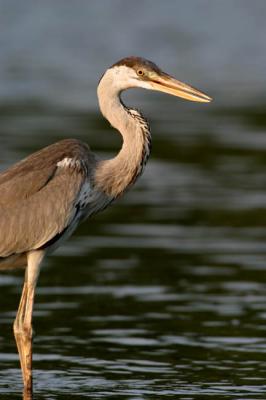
x=90, y=200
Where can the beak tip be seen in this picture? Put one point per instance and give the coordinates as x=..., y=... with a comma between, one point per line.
x=205, y=98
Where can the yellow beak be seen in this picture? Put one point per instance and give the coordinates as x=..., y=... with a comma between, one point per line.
x=167, y=84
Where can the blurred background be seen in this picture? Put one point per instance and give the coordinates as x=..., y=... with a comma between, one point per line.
x=164, y=294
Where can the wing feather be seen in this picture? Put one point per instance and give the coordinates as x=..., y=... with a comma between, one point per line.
x=37, y=199
x=29, y=224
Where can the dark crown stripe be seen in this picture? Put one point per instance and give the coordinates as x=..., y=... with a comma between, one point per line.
x=137, y=62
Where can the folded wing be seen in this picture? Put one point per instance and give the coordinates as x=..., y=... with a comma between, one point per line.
x=38, y=196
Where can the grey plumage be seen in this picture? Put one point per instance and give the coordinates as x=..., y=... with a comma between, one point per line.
x=39, y=197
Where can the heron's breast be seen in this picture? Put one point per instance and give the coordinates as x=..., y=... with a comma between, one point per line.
x=91, y=200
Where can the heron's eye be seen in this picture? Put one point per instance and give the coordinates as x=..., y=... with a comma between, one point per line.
x=140, y=72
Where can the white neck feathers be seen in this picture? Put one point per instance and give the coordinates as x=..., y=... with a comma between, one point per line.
x=114, y=176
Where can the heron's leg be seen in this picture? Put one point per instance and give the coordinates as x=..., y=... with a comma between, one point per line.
x=22, y=324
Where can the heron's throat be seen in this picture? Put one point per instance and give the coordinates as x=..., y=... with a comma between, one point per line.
x=114, y=176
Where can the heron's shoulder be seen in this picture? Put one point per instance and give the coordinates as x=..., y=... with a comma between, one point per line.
x=66, y=153
x=72, y=154
x=56, y=153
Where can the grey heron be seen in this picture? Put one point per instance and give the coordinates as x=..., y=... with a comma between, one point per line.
x=46, y=195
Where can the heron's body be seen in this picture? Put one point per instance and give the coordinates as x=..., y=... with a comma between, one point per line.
x=44, y=197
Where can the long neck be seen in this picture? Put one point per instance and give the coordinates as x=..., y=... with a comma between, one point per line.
x=114, y=176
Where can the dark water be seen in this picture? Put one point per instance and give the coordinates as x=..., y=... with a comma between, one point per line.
x=164, y=294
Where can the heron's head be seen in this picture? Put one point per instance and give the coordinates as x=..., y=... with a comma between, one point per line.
x=139, y=72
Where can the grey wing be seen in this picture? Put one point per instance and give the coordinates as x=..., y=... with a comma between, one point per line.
x=37, y=206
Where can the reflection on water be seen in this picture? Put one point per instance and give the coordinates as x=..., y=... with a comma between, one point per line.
x=164, y=294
